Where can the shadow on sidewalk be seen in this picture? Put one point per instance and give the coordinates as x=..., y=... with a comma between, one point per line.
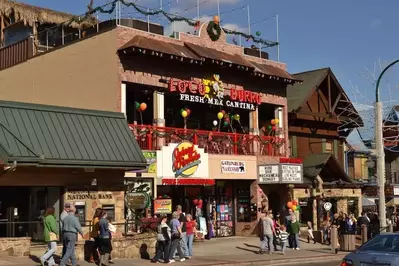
x=249, y=250
x=251, y=246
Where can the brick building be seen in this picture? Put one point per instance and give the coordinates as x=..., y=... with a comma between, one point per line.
x=152, y=79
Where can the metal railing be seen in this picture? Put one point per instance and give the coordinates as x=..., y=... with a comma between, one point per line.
x=213, y=142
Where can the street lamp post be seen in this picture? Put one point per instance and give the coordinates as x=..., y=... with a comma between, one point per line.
x=379, y=146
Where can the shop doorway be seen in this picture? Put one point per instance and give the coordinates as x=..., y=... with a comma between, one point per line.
x=274, y=202
x=22, y=210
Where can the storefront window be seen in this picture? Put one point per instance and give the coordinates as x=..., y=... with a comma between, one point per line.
x=243, y=204
x=110, y=209
x=224, y=209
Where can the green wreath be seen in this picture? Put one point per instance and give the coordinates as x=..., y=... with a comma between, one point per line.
x=214, y=31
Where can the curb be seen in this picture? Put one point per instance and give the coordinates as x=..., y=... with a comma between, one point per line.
x=282, y=261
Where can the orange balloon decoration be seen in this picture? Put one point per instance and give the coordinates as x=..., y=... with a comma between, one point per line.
x=289, y=205
x=294, y=202
x=273, y=122
x=293, y=208
x=143, y=106
x=216, y=19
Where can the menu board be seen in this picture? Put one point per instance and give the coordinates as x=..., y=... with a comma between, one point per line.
x=291, y=173
x=268, y=174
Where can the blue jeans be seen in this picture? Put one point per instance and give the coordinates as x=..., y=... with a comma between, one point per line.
x=52, y=248
x=189, y=241
x=183, y=243
x=267, y=241
x=296, y=241
x=70, y=241
x=283, y=246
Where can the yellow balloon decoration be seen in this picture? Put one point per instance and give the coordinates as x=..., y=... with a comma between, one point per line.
x=184, y=114
x=293, y=208
x=276, y=121
x=220, y=115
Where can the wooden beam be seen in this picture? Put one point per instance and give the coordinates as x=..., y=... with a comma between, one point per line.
x=329, y=92
x=336, y=102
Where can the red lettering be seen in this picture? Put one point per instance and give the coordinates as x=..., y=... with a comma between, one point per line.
x=258, y=98
x=291, y=160
x=193, y=86
x=184, y=157
x=241, y=95
x=172, y=85
x=233, y=94
x=201, y=88
x=182, y=86
x=248, y=96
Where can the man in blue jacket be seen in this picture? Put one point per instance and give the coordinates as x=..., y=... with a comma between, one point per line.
x=70, y=228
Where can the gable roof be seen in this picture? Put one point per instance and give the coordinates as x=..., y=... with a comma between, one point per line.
x=322, y=164
x=356, y=143
x=44, y=135
x=299, y=93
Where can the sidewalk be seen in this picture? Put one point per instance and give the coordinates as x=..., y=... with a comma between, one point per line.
x=225, y=251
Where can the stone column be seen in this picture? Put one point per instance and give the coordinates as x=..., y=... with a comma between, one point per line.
x=123, y=98
x=159, y=114
x=315, y=218
x=254, y=129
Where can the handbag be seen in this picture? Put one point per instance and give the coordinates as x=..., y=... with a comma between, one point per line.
x=53, y=236
x=176, y=235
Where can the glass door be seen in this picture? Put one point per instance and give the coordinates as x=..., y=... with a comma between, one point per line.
x=224, y=209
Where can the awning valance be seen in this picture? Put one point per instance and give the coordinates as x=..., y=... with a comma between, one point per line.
x=42, y=135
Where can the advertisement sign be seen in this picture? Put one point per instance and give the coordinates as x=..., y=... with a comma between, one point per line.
x=182, y=160
x=163, y=206
x=268, y=174
x=280, y=173
x=151, y=157
x=233, y=167
x=291, y=173
x=137, y=200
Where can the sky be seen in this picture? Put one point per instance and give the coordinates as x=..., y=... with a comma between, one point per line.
x=353, y=37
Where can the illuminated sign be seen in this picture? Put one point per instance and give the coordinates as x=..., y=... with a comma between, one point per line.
x=211, y=91
x=185, y=159
x=291, y=160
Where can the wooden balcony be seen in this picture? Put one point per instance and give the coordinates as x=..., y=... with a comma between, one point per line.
x=16, y=53
x=213, y=142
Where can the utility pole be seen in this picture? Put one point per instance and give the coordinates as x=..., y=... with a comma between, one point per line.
x=278, y=40
x=379, y=146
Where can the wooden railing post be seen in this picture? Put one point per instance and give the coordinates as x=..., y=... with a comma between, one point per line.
x=334, y=239
x=364, y=233
x=235, y=144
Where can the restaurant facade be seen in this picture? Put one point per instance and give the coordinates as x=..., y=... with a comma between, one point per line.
x=205, y=114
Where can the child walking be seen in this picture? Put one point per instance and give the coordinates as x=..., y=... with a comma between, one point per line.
x=283, y=237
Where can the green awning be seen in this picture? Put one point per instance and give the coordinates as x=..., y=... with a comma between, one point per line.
x=42, y=135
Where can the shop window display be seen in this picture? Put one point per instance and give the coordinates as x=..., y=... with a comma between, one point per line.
x=224, y=209
x=246, y=211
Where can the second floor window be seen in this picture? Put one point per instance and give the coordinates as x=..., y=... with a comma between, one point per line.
x=329, y=146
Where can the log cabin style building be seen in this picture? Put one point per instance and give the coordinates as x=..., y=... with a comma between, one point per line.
x=320, y=117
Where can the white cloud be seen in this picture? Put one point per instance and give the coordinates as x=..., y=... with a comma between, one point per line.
x=376, y=23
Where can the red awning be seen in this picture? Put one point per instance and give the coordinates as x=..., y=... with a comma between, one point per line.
x=188, y=181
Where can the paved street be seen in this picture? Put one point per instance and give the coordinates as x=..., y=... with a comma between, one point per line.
x=230, y=251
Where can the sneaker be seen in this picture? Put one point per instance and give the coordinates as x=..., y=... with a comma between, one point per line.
x=188, y=257
x=172, y=261
x=183, y=259
x=154, y=261
x=260, y=251
x=297, y=248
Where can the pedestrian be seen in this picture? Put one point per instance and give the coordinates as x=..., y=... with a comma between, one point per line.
x=326, y=230
x=94, y=256
x=104, y=239
x=112, y=231
x=351, y=224
x=294, y=230
x=182, y=220
x=277, y=226
x=50, y=236
x=283, y=237
x=310, y=232
x=268, y=231
x=64, y=214
x=287, y=223
x=71, y=227
x=175, y=226
x=164, y=234
x=191, y=231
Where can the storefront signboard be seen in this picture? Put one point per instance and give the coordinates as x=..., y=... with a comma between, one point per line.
x=233, y=167
x=151, y=157
x=163, y=206
x=327, y=206
x=291, y=173
x=182, y=160
x=268, y=174
x=87, y=195
x=280, y=173
x=211, y=91
x=137, y=200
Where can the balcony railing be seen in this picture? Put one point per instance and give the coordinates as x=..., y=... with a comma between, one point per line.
x=16, y=53
x=153, y=138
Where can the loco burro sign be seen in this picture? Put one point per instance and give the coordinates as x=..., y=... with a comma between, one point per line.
x=182, y=160
x=284, y=173
x=211, y=91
